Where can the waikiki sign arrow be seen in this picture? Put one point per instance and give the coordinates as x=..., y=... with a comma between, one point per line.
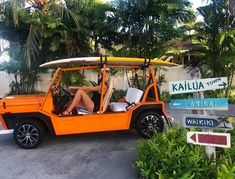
x=204, y=121
x=200, y=104
x=191, y=86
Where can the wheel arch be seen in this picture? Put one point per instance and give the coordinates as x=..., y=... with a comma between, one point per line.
x=12, y=119
x=145, y=108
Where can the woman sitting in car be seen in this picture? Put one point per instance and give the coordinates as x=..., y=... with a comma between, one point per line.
x=82, y=99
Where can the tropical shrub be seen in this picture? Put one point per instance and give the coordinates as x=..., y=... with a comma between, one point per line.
x=168, y=155
x=117, y=94
x=165, y=96
x=75, y=78
x=226, y=170
x=229, y=152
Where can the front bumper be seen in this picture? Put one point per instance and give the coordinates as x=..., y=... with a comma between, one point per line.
x=10, y=131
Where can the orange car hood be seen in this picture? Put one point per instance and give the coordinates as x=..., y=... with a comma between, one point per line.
x=14, y=103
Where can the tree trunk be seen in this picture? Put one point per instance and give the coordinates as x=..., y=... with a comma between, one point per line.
x=128, y=80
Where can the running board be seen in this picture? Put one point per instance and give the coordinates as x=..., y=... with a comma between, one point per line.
x=2, y=132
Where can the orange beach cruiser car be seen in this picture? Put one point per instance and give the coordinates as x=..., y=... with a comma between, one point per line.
x=30, y=117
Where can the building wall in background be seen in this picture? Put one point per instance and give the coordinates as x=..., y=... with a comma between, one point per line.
x=174, y=74
x=120, y=81
x=5, y=81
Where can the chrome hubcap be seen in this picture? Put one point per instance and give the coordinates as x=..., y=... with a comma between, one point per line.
x=27, y=135
x=149, y=124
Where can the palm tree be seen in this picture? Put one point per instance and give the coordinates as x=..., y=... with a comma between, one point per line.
x=46, y=30
x=216, y=37
x=32, y=32
x=37, y=11
x=145, y=25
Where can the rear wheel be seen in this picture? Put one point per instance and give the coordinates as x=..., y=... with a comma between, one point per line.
x=29, y=134
x=148, y=123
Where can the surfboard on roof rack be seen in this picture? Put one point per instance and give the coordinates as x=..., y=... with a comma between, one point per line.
x=108, y=60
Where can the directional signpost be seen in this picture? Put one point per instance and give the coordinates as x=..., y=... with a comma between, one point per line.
x=200, y=104
x=207, y=123
x=209, y=139
x=204, y=121
x=191, y=86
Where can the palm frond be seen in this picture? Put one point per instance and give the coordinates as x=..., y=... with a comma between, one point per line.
x=32, y=44
x=14, y=6
x=63, y=10
x=15, y=12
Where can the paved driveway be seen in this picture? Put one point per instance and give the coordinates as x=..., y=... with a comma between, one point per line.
x=101, y=155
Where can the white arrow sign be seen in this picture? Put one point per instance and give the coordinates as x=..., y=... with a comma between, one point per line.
x=190, y=86
x=209, y=139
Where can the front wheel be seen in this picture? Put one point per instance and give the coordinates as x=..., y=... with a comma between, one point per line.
x=148, y=123
x=29, y=134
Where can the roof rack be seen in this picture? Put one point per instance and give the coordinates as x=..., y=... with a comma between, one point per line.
x=102, y=63
x=146, y=62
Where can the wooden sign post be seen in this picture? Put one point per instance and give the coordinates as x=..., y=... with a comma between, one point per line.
x=206, y=122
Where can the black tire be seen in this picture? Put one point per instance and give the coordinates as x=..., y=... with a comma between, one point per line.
x=29, y=134
x=148, y=123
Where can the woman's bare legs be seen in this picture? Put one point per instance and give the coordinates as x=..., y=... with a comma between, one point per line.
x=80, y=98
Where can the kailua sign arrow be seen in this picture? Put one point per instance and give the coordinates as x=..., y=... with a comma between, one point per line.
x=203, y=121
x=190, y=86
x=200, y=104
x=209, y=139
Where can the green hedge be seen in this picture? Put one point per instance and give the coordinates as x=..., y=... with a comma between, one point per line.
x=117, y=94
x=168, y=155
x=166, y=97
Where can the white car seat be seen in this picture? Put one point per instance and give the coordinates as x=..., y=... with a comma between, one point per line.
x=108, y=95
x=133, y=96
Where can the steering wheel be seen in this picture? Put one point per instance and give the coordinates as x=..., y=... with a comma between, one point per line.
x=56, y=91
x=67, y=92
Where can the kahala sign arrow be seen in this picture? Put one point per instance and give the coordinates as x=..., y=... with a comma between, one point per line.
x=204, y=121
x=209, y=139
x=190, y=86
